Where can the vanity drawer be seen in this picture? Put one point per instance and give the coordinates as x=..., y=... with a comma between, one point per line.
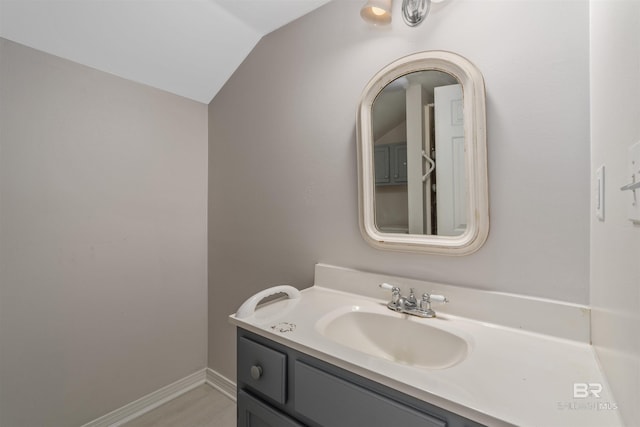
x=262, y=369
x=330, y=401
x=254, y=413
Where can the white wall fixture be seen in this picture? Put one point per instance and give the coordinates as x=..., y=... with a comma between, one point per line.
x=634, y=185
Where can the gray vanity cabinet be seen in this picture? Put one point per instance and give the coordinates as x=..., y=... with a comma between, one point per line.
x=282, y=387
x=390, y=163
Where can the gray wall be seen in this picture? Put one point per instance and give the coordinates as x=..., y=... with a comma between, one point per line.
x=103, y=186
x=615, y=242
x=282, y=165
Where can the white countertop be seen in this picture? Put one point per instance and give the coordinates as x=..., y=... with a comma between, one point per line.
x=510, y=376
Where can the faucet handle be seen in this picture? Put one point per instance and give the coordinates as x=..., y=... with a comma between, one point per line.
x=395, y=291
x=395, y=295
x=425, y=303
x=436, y=298
x=389, y=287
x=428, y=298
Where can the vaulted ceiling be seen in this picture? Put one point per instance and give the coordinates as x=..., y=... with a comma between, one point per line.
x=186, y=47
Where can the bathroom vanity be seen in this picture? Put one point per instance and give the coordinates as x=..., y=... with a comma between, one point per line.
x=334, y=355
x=279, y=386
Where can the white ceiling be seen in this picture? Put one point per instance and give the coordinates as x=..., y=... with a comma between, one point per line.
x=186, y=47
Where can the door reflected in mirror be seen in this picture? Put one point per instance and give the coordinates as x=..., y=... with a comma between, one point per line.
x=418, y=135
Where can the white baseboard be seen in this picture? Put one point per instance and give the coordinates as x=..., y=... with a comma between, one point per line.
x=152, y=400
x=221, y=383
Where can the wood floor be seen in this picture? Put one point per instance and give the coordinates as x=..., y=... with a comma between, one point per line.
x=203, y=406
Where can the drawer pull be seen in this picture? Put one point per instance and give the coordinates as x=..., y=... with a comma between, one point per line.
x=256, y=372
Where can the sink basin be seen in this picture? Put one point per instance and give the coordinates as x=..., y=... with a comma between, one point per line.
x=399, y=338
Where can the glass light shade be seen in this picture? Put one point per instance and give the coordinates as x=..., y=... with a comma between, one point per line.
x=377, y=11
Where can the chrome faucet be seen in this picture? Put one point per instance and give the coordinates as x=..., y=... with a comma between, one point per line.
x=410, y=304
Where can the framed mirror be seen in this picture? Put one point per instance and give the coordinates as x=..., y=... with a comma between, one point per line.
x=422, y=156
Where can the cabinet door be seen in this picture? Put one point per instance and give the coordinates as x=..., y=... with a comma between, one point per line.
x=331, y=401
x=381, y=160
x=399, y=162
x=254, y=413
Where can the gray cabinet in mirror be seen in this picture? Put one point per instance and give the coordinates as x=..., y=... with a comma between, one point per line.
x=429, y=106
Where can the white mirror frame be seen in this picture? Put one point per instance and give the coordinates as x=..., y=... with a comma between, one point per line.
x=475, y=157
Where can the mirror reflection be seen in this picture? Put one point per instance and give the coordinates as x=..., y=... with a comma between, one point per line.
x=419, y=155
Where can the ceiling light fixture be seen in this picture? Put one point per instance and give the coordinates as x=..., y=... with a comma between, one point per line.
x=377, y=11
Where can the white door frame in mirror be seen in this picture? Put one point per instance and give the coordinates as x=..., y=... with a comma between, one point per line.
x=477, y=194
